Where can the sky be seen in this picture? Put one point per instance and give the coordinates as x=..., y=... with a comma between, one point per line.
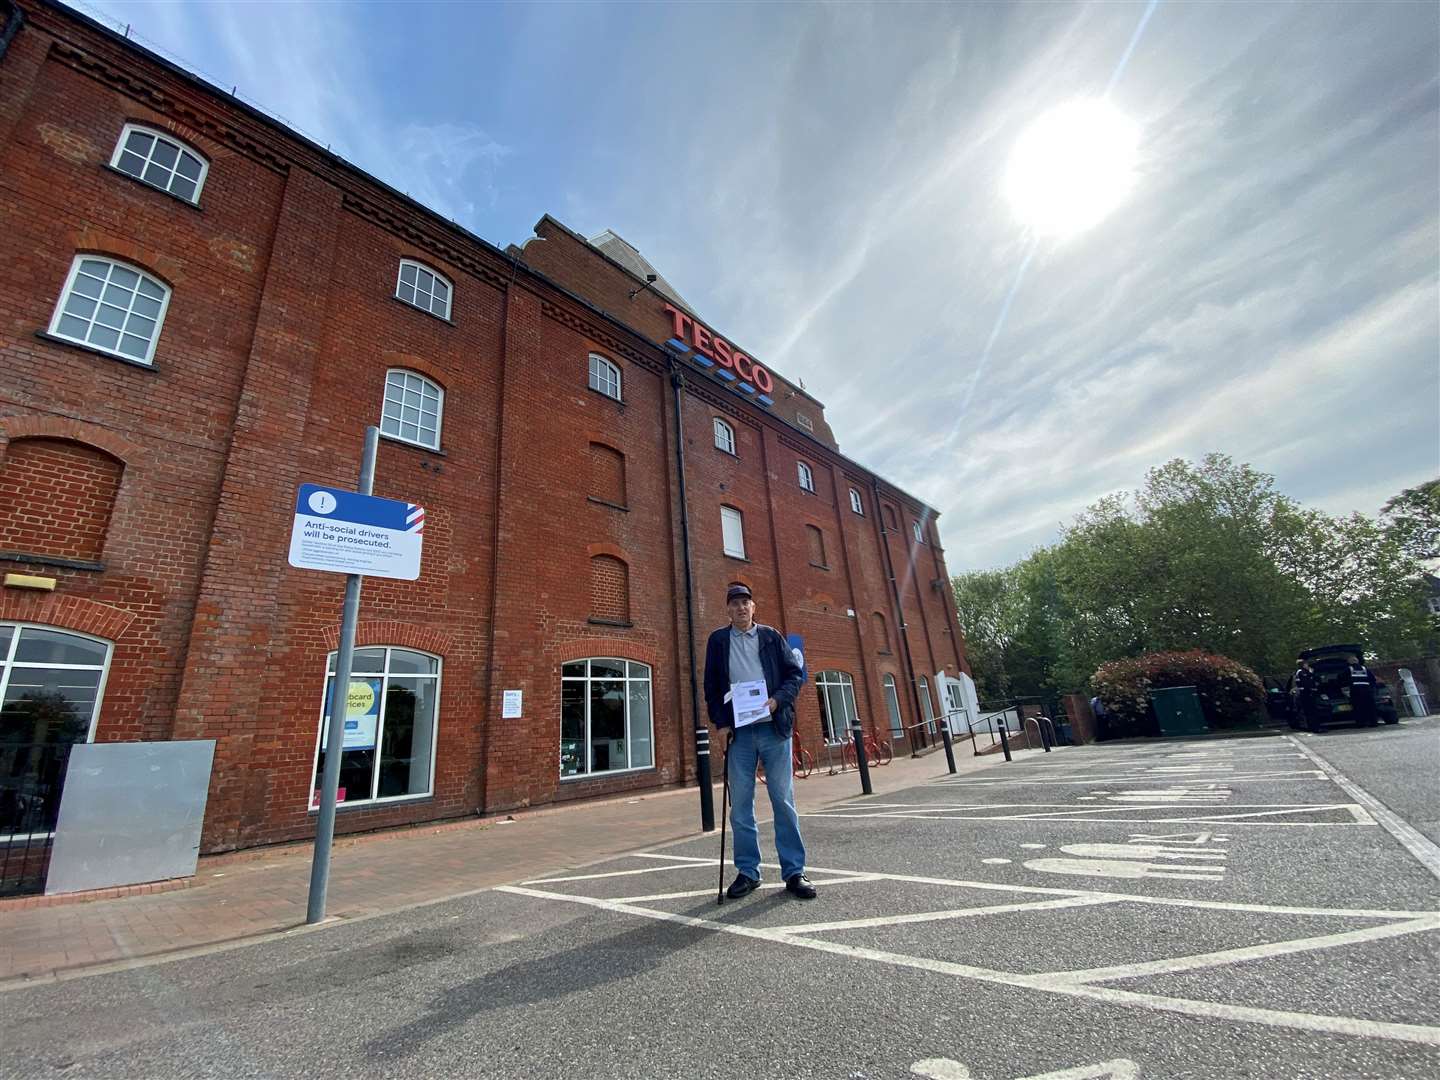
x=823, y=183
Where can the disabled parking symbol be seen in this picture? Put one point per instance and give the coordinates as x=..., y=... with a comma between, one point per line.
x=1140, y=858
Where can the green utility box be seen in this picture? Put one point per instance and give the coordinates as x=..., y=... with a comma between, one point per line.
x=1178, y=710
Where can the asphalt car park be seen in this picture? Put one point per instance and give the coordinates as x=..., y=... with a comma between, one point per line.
x=1201, y=909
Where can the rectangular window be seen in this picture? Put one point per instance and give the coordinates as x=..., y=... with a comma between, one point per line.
x=855, y=503
x=391, y=709
x=919, y=531
x=732, y=526
x=605, y=717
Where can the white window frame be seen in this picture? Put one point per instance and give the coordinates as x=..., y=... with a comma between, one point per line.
x=69, y=291
x=384, y=673
x=182, y=149
x=926, y=704
x=736, y=520
x=724, y=436
x=855, y=502
x=604, y=371
x=892, y=705
x=918, y=531
x=404, y=388
x=435, y=277
x=806, y=475
x=844, y=685
x=648, y=678
x=8, y=666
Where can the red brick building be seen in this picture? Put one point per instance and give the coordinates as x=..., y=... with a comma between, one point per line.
x=201, y=310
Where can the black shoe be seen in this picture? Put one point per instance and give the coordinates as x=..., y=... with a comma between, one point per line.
x=799, y=885
x=743, y=886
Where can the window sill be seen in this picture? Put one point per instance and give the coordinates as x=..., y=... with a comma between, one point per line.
x=607, y=397
x=398, y=441
x=603, y=502
x=49, y=560
x=819, y=566
x=158, y=190
x=737, y=558
x=606, y=774
x=610, y=622
x=371, y=804
x=45, y=335
x=883, y=652
x=808, y=491
x=425, y=311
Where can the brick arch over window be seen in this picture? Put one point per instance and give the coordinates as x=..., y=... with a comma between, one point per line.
x=881, y=631
x=402, y=635
x=56, y=498
x=66, y=613
x=607, y=474
x=609, y=589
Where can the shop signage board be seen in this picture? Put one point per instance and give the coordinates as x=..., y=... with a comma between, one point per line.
x=344, y=532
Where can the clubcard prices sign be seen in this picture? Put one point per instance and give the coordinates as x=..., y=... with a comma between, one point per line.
x=348, y=533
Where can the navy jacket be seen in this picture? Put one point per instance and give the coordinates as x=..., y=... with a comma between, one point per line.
x=783, y=676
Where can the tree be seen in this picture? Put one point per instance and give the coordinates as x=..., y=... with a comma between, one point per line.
x=1413, y=517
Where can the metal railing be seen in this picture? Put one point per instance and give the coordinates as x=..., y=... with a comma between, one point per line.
x=31, y=778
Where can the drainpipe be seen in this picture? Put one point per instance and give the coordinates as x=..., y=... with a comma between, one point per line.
x=702, y=733
x=12, y=27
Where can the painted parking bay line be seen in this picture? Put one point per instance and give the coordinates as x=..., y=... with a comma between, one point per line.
x=1046, y=983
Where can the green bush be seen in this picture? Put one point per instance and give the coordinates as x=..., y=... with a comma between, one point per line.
x=1230, y=693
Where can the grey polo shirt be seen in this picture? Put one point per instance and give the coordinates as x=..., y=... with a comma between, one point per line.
x=745, y=663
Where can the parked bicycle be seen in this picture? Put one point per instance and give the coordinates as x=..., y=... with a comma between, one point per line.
x=802, y=764
x=877, y=752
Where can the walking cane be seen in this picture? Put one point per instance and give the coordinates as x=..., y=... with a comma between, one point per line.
x=724, y=798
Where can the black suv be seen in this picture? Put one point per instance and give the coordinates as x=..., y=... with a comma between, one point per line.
x=1331, y=703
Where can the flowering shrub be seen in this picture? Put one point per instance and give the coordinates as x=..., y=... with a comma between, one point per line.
x=1230, y=693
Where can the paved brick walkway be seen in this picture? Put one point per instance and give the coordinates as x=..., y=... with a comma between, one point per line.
x=235, y=897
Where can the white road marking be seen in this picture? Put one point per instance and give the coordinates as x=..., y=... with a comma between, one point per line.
x=1342, y=1025
x=1414, y=842
x=1040, y=890
x=612, y=873
x=1251, y=952
x=1125, y=868
x=847, y=880
x=938, y=916
x=940, y=1069
x=996, y=862
x=1130, y=778
x=1139, y=849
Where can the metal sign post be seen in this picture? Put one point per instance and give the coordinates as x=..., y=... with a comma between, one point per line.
x=335, y=725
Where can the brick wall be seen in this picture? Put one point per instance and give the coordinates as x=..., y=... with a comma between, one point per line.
x=553, y=517
x=56, y=498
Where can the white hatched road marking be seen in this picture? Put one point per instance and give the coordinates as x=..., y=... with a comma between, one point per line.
x=953, y=913
x=946, y=1069
x=1048, y=983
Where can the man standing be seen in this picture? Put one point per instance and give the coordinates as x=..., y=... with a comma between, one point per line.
x=1362, y=693
x=751, y=679
x=1303, y=685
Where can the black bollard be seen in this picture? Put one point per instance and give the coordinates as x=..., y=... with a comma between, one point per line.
x=1004, y=739
x=863, y=759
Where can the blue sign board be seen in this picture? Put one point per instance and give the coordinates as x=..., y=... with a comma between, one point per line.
x=345, y=532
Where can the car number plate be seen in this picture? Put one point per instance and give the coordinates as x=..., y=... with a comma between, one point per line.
x=1342, y=708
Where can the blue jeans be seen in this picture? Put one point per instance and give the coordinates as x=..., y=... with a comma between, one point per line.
x=758, y=742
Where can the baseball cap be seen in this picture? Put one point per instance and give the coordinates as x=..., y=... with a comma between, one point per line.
x=738, y=590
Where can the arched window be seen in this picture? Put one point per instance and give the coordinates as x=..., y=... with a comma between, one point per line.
x=918, y=531
x=807, y=478
x=56, y=498
x=604, y=376
x=111, y=306
x=816, y=541
x=892, y=706
x=882, y=633
x=837, y=704
x=855, y=503
x=926, y=704
x=609, y=590
x=51, y=682
x=421, y=287
x=161, y=161
x=889, y=515
x=607, y=474
x=391, y=716
x=413, y=407
x=605, y=717
x=724, y=436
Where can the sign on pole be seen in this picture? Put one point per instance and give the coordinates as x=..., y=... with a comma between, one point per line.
x=348, y=533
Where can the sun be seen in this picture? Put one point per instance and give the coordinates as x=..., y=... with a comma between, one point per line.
x=1072, y=167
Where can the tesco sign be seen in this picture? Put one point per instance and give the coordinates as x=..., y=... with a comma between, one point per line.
x=710, y=344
